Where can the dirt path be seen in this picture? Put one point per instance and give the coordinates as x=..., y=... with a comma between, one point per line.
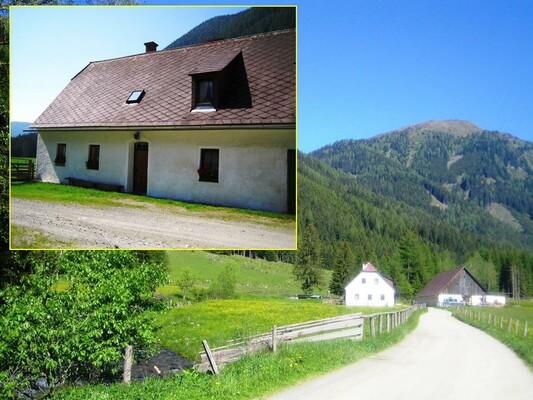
x=146, y=227
x=442, y=359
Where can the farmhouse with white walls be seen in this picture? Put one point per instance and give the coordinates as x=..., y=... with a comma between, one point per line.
x=213, y=123
x=370, y=288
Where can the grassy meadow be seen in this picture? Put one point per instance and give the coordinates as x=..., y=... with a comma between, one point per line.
x=497, y=325
x=254, y=276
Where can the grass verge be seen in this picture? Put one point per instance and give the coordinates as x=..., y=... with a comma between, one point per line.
x=254, y=376
x=499, y=328
x=26, y=238
x=40, y=191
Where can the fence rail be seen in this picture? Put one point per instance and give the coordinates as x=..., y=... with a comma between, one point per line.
x=511, y=325
x=346, y=326
x=23, y=171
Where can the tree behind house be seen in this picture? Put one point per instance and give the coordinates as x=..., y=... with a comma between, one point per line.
x=307, y=268
x=343, y=269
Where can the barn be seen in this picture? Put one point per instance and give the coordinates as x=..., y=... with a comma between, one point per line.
x=457, y=286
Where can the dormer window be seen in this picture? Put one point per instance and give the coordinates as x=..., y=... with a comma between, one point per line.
x=204, y=92
x=204, y=95
x=212, y=78
x=135, y=97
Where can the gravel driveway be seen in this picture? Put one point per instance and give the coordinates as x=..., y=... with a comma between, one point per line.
x=148, y=226
x=443, y=359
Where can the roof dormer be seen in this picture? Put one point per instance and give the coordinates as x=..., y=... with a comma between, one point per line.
x=213, y=80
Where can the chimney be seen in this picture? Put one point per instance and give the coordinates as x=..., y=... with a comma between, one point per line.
x=151, y=47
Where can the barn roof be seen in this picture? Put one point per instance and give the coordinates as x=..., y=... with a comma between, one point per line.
x=441, y=281
x=261, y=88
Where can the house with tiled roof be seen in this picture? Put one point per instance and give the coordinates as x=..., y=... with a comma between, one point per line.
x=213, y=123
x=457, y=286
x=370, y=288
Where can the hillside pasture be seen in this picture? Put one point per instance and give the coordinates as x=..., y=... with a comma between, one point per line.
x=254, y=276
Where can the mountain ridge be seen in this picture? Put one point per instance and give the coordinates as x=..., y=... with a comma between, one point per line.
x=453, y=168
x=254, y=20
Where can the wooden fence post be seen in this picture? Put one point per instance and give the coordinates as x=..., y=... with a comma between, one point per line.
x=380, y=323
x=516, y=327
x=372, y=327
x=510, y=324
x=128, y=360
x=274, y=339
x=210, y=357
x=501, y=322
x=525, y=328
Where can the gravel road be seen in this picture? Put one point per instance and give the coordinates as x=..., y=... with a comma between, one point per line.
x=443, y=359
x=147, y=227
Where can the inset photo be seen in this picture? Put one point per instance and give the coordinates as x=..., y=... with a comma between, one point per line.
x=153, y=128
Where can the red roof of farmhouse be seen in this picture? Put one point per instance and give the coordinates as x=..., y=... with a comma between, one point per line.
x=260, y=90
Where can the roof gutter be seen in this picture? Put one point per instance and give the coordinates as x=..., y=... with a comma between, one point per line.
x=166, y=128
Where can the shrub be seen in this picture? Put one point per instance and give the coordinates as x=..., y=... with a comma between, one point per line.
x=72, y=317
x=225, y=284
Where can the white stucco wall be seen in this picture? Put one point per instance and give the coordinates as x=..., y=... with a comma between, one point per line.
x=357, y=292
x=252, y=163
x=114, y=154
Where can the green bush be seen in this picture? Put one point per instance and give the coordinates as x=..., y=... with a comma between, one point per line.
x=225, y=285
x=72, y=317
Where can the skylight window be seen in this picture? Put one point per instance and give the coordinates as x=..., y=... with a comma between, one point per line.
x=135, y=96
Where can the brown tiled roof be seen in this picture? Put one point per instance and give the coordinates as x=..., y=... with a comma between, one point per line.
x=441, y=281
x=96, y=97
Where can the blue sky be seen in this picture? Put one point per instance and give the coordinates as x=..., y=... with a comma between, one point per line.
x=364, y=67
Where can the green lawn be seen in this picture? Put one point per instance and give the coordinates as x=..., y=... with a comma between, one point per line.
x=91, y=197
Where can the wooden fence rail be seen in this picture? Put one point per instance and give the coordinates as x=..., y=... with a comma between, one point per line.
x=346, y=326
x=515, y=326
x=23, y=171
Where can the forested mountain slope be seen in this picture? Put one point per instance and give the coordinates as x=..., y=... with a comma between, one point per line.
x=252, y=21
x=478, y=181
